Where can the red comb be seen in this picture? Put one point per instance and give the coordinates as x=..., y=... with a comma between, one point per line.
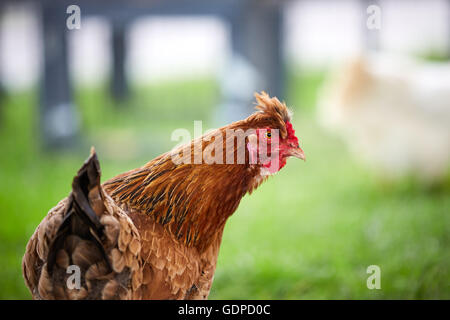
x=290, y=131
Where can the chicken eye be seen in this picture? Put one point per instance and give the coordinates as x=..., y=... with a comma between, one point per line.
x=268, y=135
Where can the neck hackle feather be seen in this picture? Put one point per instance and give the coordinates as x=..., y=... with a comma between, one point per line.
x=193, y=201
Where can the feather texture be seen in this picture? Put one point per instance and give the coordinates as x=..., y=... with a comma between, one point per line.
x=150, y=233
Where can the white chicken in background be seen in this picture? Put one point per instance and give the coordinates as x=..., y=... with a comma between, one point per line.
x=394, y=113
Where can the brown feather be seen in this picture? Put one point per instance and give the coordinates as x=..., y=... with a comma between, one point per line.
x=150, y=233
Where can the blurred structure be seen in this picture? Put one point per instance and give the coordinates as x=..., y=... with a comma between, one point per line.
x=249, y=41
x=59, y=121
x=371, y=36
x=393, y=112
x=255, y=41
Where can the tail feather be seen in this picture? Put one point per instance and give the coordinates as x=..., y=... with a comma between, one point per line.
x=80, y=218
x=84, y=230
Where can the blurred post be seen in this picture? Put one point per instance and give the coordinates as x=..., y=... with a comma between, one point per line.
x=256, y=65
x=119, y=86
x=58, y=120
x=371, y=36
x=448, y=26
x=2, y=89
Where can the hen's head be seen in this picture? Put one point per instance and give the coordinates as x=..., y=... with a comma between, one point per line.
x=274, y=139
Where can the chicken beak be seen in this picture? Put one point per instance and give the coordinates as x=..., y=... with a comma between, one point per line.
x=298, y=153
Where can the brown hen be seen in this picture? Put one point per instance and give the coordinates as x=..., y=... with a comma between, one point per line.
x=155, y=232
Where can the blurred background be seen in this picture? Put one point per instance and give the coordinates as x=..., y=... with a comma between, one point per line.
x=370, y=90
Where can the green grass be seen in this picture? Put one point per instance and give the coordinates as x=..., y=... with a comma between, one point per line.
x=308, y=232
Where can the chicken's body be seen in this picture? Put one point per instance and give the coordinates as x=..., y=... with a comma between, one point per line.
x=153, y=232
x=180, y=235
x=394, y=114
